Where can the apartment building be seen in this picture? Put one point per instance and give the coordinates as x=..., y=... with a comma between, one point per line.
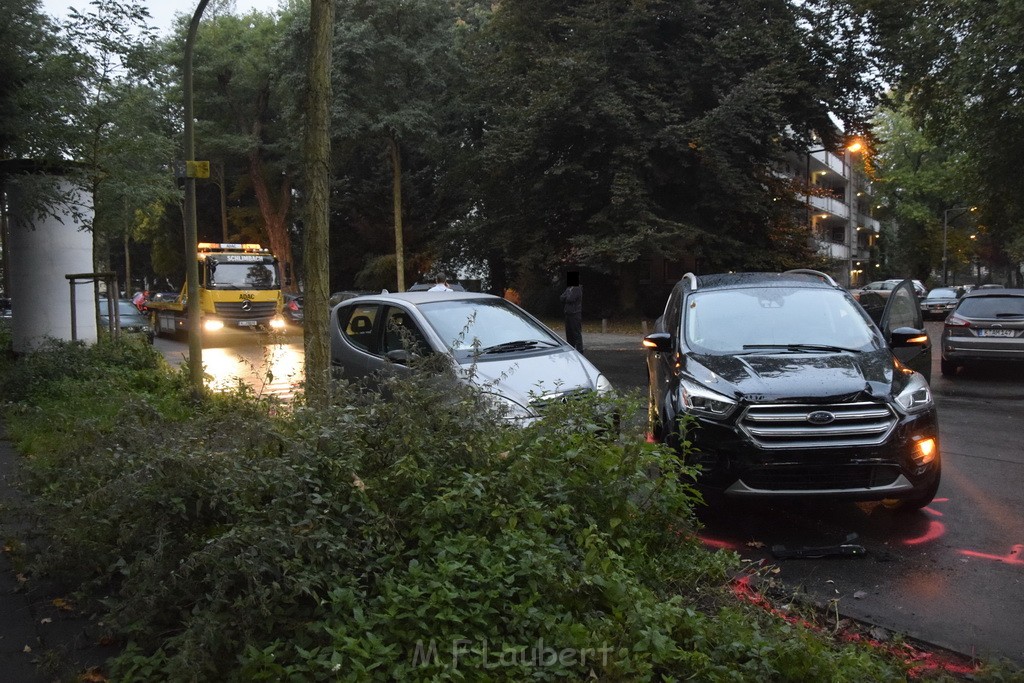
x=840, y=212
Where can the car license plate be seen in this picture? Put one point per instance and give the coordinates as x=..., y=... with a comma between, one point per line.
x=247, y=323
x=997, y=333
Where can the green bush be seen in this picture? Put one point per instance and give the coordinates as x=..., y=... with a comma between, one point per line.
x=413, y=537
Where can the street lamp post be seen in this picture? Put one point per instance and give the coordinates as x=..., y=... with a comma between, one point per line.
x=195, y=343
x=851, y=198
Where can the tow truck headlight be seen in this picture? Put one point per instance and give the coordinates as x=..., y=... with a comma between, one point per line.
x=213, y=325
x=916, y=396
x=277, y=323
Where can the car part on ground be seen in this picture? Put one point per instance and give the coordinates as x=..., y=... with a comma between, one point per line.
x=986, y=326
x=780, y=385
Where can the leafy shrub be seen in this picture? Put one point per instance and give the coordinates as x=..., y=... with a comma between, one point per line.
x=412, y=537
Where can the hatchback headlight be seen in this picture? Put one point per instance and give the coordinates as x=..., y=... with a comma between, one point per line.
x=602, y=385
x=507, y=408
x=700, y=400
x=916, y=396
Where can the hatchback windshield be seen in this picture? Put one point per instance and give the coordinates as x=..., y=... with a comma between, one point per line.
x=992, y=307
x=734, y=320
x=482, y=325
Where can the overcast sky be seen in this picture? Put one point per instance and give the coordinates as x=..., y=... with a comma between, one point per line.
x=161, y=11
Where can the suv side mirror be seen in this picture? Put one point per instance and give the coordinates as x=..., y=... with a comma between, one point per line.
x=903, y=337
x=660, y=342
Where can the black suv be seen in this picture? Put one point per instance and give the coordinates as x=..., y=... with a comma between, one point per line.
x=785, y=386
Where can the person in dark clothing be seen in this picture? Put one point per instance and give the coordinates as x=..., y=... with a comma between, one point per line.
x=572, y=305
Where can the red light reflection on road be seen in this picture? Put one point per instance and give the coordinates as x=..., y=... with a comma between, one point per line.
x=716, y=543
x=935, y=529
x=1014, y=556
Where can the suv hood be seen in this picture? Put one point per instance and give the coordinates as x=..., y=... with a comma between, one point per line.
x=797, y=376
x=525, y=377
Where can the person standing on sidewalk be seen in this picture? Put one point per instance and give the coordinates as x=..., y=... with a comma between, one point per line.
x=572, y=305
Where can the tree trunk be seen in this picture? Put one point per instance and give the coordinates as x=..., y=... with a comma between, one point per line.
x=127, y=266
x=317, y=153
x=396, y=196
x=274, y=217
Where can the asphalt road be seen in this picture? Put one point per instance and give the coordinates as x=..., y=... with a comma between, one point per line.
x=951, y=575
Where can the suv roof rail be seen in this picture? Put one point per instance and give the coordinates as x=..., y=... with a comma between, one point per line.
x=816, y=273
x=692, y=280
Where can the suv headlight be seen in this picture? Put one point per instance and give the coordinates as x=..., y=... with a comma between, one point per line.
x=916, y=396
x=700, y=400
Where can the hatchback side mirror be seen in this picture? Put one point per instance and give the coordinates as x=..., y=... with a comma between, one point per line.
x=400, y=356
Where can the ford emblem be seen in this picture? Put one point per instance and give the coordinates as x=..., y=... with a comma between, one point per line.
x=821, y=417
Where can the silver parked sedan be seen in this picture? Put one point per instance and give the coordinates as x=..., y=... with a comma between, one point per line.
x=987, y=325
x=939, y=302
x=518, y=362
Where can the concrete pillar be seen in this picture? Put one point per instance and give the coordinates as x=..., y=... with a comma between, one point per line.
x=42, y=252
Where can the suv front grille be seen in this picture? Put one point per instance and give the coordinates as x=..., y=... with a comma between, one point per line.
x=821, y=478
x=257, y=309
x=780, y=426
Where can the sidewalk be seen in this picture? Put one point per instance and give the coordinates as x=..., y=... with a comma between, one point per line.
x=42, y=638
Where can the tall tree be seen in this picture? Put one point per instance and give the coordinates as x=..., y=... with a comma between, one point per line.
x=959, y=64
x=608, y=131
x=395, y=65
x=240, y=100
x=112, y=47
x=919, y=182
x=318, y=151
x=34, y=82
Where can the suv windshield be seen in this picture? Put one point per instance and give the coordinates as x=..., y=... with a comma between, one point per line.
x=485, y=325
x=736, y=320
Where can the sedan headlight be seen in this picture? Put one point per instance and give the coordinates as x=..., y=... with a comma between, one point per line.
x=699, y=400
x=916, y=396
x=602, y=385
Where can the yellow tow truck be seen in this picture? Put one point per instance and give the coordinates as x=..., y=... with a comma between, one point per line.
x=239, y=288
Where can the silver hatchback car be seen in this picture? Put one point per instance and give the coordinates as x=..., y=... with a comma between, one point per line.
x=518, y=362
x=987, y=325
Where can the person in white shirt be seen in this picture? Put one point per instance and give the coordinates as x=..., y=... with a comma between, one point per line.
x=441, y=284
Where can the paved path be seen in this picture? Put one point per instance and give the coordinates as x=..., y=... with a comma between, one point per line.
x=42, y=638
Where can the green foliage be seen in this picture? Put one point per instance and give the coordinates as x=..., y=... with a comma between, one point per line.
x=412, y=537
x=604, y=133
x=957, y=67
